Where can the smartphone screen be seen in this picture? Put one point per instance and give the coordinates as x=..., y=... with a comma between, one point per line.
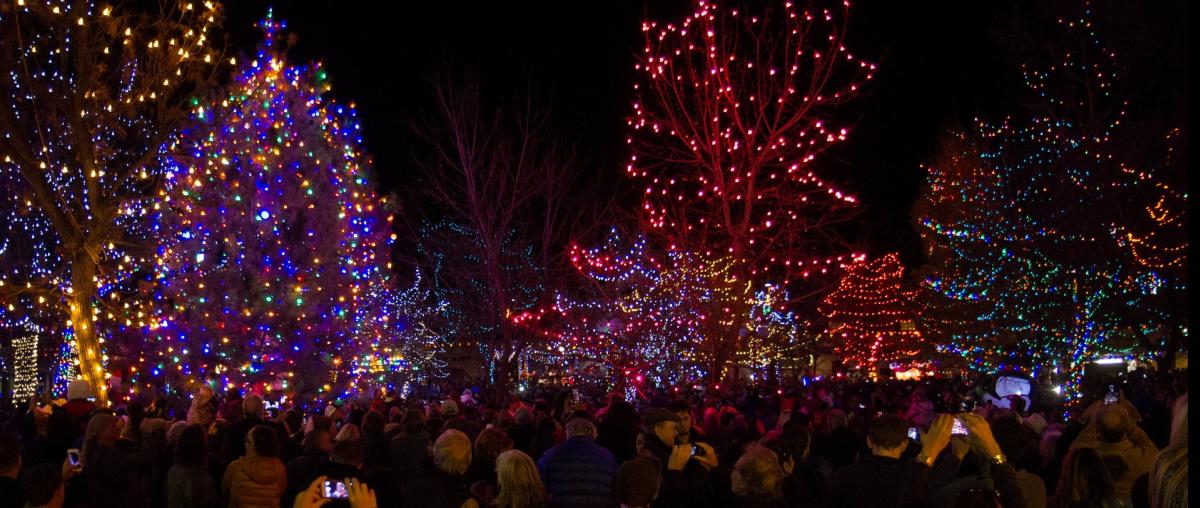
x=73, y=456
x=913, y=434
x=958, y=429
x=336, y=489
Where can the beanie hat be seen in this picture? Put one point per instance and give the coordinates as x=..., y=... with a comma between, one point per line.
x=79, y=389
x=449, y=408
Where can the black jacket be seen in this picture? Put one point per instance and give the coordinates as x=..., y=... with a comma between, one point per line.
x=881, y=482
x=690, y=488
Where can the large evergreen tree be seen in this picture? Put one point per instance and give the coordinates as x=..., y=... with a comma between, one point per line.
x=873, y=317
x=273, y=235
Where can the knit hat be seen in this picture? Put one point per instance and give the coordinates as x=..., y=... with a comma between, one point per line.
x=175, y=430
x=657, y=415
x=449, y=408
x=79, y=389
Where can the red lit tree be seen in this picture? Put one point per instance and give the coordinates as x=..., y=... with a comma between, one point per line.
x=732, y=109
x=871, y=316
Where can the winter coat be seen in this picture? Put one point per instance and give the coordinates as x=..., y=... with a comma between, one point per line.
x=436, y=489
x=302, y=470
x=190, y=487
x=114, y=477
x=578, y=472
x=409, y=452
x=254, y=482
x=881, y=482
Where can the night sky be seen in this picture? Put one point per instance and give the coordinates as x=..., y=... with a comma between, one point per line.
x=940, y=64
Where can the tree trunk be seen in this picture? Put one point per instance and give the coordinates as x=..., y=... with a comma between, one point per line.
x=81, y=304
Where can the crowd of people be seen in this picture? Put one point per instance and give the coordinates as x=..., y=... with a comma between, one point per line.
x=825, y=444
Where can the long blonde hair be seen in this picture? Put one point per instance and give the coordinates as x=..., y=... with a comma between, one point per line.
x=1169, y=477
x=520, y=483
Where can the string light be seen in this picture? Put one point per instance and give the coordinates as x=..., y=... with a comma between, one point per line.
x=872, y=317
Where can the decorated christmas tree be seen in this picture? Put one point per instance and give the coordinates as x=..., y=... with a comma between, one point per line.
x=872, y=317
x=1034, y=259
x=274, y=237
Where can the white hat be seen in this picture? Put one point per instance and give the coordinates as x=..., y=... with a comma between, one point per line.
x=79, y=389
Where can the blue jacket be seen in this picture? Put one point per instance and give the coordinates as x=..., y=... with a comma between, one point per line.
x=579, y=473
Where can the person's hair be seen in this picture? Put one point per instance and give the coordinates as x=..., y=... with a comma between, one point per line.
x=10, y=451
x=1113, y=424
x=265, y=441
x=39, y=484
x=490, y=443
x=372, y=423
x=1084, y=480
x=96, y=424
x=800, y=437
x=190, y=446
x=321, y=422
x=414, y=421
x=888, y=431
x=313, y=440
x=636, y=482
x=678, y=406
x=452, y=452
x=252, y=406
x=1168, y=484
x=348, y=452
x=758, y=474
x=580, y=427
x=519, y=482
x=348, y=432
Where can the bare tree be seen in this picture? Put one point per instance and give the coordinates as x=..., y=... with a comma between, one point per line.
x=506, y=182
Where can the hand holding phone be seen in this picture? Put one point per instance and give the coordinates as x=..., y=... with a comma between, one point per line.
x=73, y=457
x=914, y=434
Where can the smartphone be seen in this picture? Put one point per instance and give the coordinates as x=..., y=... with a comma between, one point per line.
x=913, y=434
x=336, y=489
x=1111, y=397
x=958, y=429
x=73, y=457
x=697, y=451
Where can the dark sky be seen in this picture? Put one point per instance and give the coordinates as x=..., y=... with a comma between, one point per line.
x=939, y=63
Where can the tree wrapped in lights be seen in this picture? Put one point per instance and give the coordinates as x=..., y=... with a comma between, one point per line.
x=400, y=334
x=872, y=317
x=732, y=110
x=274, y=235
x=667, y=317
x=91, y=93
x=1024, y=220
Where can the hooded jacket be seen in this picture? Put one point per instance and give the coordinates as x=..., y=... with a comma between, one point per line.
x=254, y=482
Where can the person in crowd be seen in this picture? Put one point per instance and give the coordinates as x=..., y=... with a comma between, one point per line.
x=43, y=486
x=805, y=485
x=619, y=428
x=346, y=460
x=376, y=445
x=78, y=405
x=188, y=484
x=579, y=472
x=10, y=472
x=688, y=431
x=301, y=470
x=1085, y=483
x=410, y=448
x=1018, y=444
x=231, y=409
x=115, y=476
x=523, y=431
x=348, y=432
x=882, y=478
x=258, y=478
x=995, y=479
x=202, y=410
x=465, y=420
x=1124, y=447
x=757, y=479
x=1168, y=479
x=520, y=485
x=253, y=414
x=444, y=482
x=482, y=473
x=686, y=478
